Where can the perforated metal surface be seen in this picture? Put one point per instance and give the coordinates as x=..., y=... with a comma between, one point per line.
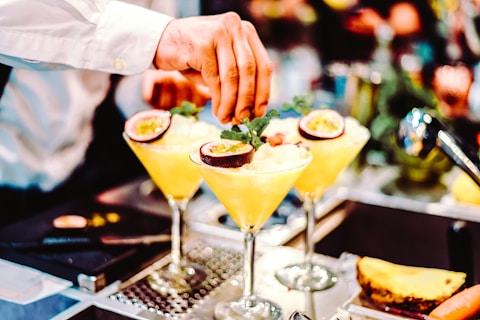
x=220, y=264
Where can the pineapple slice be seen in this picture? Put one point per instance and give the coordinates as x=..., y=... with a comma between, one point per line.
x=414, y=289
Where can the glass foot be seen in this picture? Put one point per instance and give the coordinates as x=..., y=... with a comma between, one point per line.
x=177, y=280
x=306, y=276
x=248, y=309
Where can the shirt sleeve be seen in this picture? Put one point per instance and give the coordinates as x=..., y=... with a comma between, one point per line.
x=109, y=36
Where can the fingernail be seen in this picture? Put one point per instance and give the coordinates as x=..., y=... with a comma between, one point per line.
x=262, y=109
x=244, y=114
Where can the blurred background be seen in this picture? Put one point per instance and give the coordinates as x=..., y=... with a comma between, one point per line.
x=374, y=60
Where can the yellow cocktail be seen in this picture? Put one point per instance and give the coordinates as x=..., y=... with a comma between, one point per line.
x=251, y=193
x=164, y=160
x=167, y=161
x=330, y=157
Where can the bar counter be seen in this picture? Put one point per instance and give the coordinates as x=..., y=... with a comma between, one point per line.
x=219, y=247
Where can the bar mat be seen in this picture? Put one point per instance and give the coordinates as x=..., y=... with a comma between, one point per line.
x=220, y=264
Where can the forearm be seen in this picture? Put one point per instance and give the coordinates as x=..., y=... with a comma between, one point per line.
x=109, y=36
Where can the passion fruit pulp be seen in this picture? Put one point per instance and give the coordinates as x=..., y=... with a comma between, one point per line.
x=321, y=124
x=147, y=125
x=275, y=139
x=226, y=154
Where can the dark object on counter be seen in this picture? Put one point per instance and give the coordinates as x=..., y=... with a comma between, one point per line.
x=90, y=268
x=419, y=133
x=86, y=243
x=460, y=250
x=96, y=313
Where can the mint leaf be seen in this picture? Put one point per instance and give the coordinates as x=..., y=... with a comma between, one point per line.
x=187, y=109
x=235, y=134
x=254, y=129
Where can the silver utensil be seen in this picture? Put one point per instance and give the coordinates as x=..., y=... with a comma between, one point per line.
x=419, y=132
x=297, y=315
x=89, y=242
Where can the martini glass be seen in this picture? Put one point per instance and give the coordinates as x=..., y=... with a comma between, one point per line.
x=168, y=164
x=251, y=194
x=330, y=157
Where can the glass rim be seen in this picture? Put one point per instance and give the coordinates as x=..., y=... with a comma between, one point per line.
x=166, y=146
x=195, y=158
x=358, y=132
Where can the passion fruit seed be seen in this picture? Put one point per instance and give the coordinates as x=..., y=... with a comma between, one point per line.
x=150, y=126
x=321, y=124
x=226, y=154
x=223, y=148
x=147, y=125
x=324, y=122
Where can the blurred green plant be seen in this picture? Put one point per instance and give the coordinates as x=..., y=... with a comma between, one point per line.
x=396, y=97
x=301, y=104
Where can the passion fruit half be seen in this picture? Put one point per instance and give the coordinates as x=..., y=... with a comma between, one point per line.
x=321, y=124
x=226, y=153
x=147, y=125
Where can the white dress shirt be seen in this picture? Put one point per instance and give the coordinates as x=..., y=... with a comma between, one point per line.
x=63, y=52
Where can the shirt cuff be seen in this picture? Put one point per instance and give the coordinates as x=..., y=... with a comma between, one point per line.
x=130, y=38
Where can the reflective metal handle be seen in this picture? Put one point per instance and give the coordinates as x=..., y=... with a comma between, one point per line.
x=297, y=315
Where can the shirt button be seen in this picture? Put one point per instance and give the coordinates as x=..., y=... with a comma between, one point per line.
x=118, y=64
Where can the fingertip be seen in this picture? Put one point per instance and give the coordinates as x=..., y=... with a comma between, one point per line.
x=235, y=121
x=215, y=107
x=260, y=110
x=243, y=114
x=225, y=119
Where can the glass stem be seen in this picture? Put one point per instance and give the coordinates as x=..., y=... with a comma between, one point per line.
x=248, y=268
x=178, y=210
x=309, y=208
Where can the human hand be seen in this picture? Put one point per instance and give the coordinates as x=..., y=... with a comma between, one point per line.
x=224, y=53
x=168, y=89
x=451, y=85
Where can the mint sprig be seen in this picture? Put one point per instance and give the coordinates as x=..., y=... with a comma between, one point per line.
x=187, y=109
x=253, y=132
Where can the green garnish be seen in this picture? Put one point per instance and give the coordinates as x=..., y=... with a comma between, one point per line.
x=254, y=130
x=187, y=109
x=301, y=104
